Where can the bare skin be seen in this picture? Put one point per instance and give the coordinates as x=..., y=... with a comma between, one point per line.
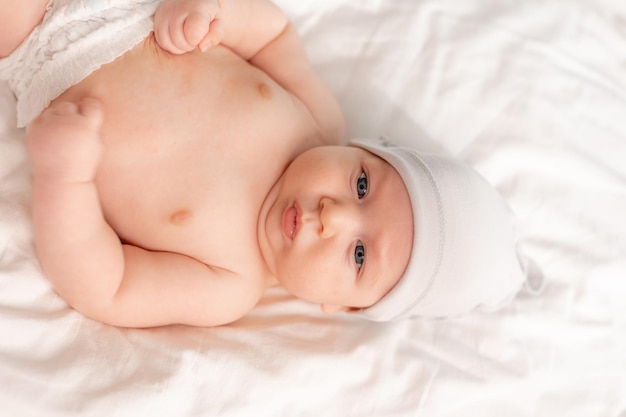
x=150, y=174
x=16, y=25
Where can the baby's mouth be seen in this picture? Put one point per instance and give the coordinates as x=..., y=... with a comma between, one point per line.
x=290, y=222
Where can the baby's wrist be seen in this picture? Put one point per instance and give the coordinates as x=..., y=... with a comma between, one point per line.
x=62, y=174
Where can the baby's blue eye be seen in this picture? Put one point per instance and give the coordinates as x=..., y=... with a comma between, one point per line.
x=361, y=185
x=359, y=254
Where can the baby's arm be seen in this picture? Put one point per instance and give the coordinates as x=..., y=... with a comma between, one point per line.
x=258, y=31
x=71, y=236
x=83, y=257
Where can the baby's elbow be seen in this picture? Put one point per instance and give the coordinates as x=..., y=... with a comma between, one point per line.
x=96, y=305
x=96, y=308
x=109, y=314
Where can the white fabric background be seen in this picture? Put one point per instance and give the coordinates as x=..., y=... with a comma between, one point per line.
x=533, y=94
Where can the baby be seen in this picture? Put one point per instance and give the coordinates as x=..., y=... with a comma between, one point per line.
x=186, y=157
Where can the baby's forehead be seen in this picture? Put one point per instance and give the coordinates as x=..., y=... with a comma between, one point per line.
x=374, y=160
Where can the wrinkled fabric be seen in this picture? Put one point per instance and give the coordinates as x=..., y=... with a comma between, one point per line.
x=75, y=38
x=532, y=94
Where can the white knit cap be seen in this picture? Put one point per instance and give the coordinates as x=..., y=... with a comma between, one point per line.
x=464, y=253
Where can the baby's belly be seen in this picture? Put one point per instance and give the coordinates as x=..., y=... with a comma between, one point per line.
x=177, y=129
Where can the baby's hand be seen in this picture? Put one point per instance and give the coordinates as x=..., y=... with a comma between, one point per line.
x=183, y=25
x=64, y=141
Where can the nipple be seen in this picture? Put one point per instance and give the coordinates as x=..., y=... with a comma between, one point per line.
x=180, y=217
x=265, y=91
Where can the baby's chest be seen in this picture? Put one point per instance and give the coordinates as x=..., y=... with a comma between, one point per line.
x=215, y=224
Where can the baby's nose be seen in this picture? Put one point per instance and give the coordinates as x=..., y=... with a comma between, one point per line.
x=337, y=217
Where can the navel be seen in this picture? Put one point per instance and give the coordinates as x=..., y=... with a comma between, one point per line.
x=180, y=217
x=265, y=91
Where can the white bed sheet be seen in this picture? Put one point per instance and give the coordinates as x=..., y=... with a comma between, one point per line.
x=533, y=94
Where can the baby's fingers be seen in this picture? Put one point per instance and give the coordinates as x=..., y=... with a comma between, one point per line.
x=182, y=35
x=214, y=35
x=195, y=28
x=169, y=34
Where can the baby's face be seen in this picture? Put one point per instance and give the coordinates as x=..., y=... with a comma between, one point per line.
x=337, y=228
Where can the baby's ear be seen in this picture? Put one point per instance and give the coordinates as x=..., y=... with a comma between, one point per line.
x=332, y=309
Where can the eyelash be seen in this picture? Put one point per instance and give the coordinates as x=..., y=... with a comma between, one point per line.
x=362, y=185
x=359, y=254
